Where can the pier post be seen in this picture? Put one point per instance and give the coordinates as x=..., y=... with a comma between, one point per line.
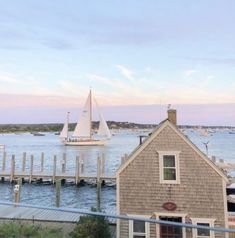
x=31, y=169
x=16, y=193
x=54, y=169
x=42, y=162
x=12, y=168
x=17, y=190
x=82, y=164
x=4, y=161
x=103, y=164
x=125, y=157
x=58, y=188
x=64, y=163
x=77, y=171
x=98, y=182
x=23, y=162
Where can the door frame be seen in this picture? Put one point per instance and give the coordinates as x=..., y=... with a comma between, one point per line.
x=162, y=214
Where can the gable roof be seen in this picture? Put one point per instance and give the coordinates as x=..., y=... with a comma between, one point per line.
x=155, y=133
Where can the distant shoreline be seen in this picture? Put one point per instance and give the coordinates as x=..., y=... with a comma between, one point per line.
x=57, y=127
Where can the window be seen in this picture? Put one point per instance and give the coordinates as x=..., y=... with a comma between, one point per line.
x=203, y=233
x=169, y=167
x=138, y=229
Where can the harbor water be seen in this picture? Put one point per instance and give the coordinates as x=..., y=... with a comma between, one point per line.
x=220, y=144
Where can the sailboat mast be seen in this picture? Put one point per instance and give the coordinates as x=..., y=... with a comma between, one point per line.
x=90, y=114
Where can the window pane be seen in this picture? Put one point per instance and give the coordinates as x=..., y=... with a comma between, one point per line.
x=169, y=174
x=202, y=232
x=168, y=161
x=139, y=236
x=139, y=226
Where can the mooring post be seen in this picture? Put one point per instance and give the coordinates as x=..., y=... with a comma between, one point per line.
x=17, y=193
x=42, y=162
x=103, y=164
x=12, y=168
x=54, y=169
x=4, y=161
x=58, y=188
x=125, y=157
x=98, y=182
x=64, y=163
x=82, y=164
x=77, y=171
x=31, y=169
x=23, y=162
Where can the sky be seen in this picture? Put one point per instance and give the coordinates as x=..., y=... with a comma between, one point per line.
x=137, y=56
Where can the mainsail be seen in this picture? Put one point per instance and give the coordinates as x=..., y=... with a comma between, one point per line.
x=83, y=128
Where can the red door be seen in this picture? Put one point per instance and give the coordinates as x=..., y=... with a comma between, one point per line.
x=168, y=231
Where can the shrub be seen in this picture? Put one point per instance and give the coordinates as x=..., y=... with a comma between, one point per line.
x=91, y=227
x=23, y=230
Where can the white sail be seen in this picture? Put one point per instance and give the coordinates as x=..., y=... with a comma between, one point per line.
x=83, y=128
x=64, y=132
x=103, y=127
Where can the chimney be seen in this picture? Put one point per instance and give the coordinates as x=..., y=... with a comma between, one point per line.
x=172, y=116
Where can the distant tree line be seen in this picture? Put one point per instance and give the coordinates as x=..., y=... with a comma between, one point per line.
x=56, y=127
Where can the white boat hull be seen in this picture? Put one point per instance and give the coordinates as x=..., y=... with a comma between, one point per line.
x=84, y=142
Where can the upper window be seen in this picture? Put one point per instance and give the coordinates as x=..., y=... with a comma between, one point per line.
x=169, y=167
x=200, y=232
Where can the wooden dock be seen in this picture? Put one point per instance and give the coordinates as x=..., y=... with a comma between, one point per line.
x=58, y=172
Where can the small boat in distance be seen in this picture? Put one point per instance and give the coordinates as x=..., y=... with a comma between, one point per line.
x=82, y=135
x=38, y=134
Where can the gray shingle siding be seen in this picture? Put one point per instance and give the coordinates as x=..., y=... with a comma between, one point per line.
x=199, y=194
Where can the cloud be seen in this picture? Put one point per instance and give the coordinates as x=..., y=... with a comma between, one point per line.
x=127, y=73
x=189, y=73
x=226, y=61
x=8, y=79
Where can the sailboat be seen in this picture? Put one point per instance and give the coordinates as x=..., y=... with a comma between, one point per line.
x=82, y=134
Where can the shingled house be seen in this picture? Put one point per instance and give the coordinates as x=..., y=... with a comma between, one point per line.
x=167, y=177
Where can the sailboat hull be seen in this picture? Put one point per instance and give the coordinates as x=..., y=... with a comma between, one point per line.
x=85, y=142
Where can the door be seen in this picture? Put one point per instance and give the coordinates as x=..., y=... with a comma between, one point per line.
x=168, y=231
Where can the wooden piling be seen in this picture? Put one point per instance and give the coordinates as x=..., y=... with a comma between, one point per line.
x=63, y=169
x=42, y=162
x=4, y=161
x=77, y=171
x=19, y=182
x=82, y=164
x=54, y=169
x=103, y=164
x=31, y=169
x=58, y=188
x=98, y=182
x=12, y=168
x=23, y=162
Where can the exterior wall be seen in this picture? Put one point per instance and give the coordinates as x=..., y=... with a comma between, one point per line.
x=199, y=194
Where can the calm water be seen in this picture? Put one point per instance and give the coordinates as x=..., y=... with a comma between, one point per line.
x=221, y=144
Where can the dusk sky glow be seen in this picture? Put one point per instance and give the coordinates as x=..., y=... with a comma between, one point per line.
x=145, y=54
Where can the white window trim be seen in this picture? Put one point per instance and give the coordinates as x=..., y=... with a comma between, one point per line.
x=177, y=166
x=158, y=215
x=147, y=226
x=209, y=221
